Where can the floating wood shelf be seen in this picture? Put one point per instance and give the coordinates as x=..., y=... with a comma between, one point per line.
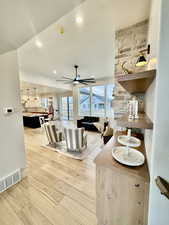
x=138, y=82
x=143, y=122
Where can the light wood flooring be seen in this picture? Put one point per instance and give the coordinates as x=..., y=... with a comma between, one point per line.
x=57, y=191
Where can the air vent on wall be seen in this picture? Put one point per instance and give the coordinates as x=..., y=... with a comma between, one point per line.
x=2, y=186
x=10, y=180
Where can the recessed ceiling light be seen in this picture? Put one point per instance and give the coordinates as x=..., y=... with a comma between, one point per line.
x=54, y=71
x=38, y=44
x=79, y=19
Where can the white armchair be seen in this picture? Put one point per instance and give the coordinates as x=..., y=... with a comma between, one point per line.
x=53, y=134
x=76, y=139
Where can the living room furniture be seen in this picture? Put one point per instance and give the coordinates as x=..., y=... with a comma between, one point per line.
x=122, y=191
x=107, y=133
x=32, y=119
x=41, y=120
x=53, y=134
x=76, y=139
x=88, y=123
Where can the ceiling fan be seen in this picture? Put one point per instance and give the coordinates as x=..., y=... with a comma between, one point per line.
x=77, y=79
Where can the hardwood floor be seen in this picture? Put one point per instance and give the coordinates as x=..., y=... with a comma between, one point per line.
x=57, y=191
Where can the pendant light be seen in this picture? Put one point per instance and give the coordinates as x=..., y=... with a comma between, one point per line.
x=141, y=61
x=35, y=94
x=28, y=94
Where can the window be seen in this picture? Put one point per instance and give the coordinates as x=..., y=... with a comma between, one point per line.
x=96, y=100
x=84, y=101
x=44, y=103
x=67, y=107
x=70, y=111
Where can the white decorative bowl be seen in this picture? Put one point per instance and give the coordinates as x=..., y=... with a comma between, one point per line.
x=129, y=141
x=128, y=156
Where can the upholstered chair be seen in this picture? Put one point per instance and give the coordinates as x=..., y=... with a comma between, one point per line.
x=53, y=134
x=76, y=139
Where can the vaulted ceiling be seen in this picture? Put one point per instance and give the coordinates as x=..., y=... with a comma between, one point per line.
x=88, y=42
x=53, y=35
x=20, y=20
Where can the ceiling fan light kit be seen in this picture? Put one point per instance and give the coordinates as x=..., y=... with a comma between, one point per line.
x=77, y=79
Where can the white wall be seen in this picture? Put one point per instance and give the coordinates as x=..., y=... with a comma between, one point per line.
x=12, y=152
x=158, y=204
x=153, y=40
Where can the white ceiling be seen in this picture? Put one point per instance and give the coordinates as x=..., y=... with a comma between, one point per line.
x=90, y=44
x=20, y=20
x=40, y=89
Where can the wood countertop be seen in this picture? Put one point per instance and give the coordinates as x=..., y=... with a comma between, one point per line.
x=105, y=159
x=30, y=114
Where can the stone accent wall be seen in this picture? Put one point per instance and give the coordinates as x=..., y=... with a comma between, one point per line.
x=128, y=43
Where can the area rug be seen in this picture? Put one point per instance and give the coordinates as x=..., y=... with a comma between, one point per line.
x=62, y=149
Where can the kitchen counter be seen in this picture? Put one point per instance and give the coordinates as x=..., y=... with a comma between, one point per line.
x=31, y=114
x=32, y=119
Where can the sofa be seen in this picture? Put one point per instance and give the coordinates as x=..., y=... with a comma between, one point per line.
x=88, y=123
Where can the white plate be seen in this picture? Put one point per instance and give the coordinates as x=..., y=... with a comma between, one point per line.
x=130, y=158
x=129, y=141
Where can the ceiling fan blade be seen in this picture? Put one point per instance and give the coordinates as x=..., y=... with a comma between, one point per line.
x=68, y=81
x=76, y=80
x=82, y=82
x=67, y=78
x=88, y=81
x=64, y=80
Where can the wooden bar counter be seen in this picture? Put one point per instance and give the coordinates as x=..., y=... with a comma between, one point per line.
x=121, y=191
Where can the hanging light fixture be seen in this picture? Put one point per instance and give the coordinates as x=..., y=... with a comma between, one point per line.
x=28, y=94
x=141, y=61
x=35, y=94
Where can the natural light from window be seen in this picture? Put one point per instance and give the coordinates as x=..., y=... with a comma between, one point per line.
x=67, y=108
x=96, y=101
